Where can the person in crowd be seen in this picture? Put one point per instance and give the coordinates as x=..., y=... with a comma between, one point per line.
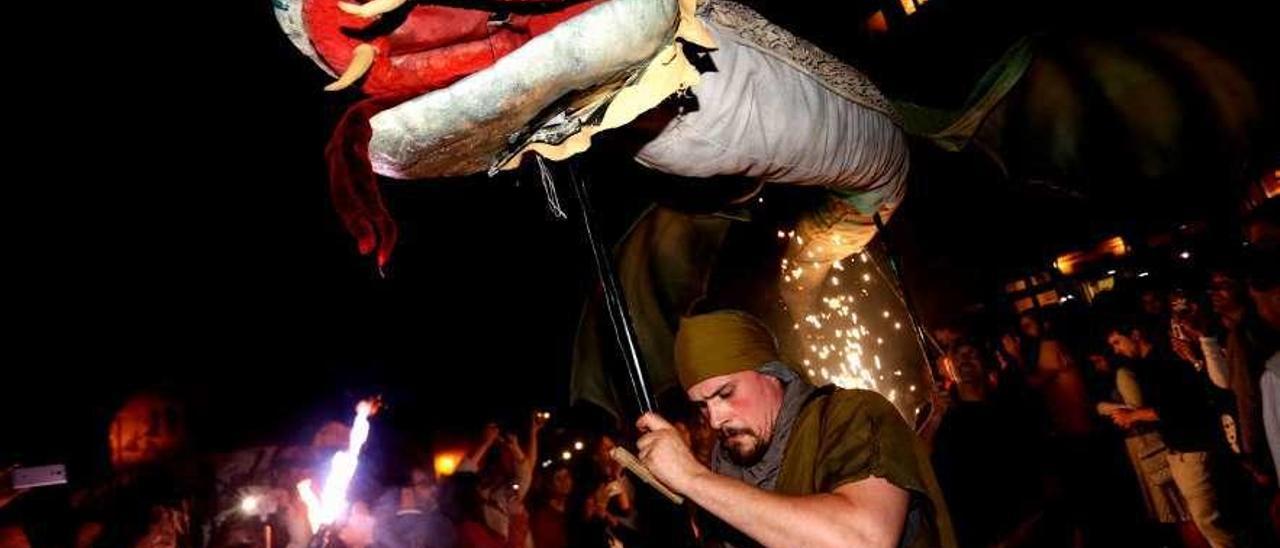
x=1262, y=226
x=549, y=517
x=1117, y=389
x=1174, y=400
x=1263, y=280
x=1053, y=373
x=506, y=477
x=1054, y=376
x=465, y=505
x=985, y=456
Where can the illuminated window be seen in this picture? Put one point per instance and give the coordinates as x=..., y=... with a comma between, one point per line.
x=910, y=6
x=1071, y=262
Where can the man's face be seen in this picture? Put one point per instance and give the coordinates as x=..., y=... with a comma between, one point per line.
x=562, y=483
x=602, y=449
x=742, y=408
x=1152, y=303
x=1122, y=345
x=968, y=365
x=1267, y=301
x=423, y=487
x=946, y=336
x=1233, y=437
x=1223, y=293
x=1029, y=326
x=1011, y=343
x=145, y=429
x=1099, y=363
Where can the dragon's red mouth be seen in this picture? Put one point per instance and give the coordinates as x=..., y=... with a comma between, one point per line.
x=397, y=51
x=413, y=49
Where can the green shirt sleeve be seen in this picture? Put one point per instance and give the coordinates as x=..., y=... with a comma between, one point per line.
x=851, y=435
x=864, y=436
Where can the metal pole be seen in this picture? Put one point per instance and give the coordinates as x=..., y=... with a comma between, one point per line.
x=614, y=302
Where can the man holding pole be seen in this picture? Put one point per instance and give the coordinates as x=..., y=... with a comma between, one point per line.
x=794, y=465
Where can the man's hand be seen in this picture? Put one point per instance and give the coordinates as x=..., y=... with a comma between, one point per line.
x=7, y=492
x=1122, y=417
x=1184, y=337
x=491, y=433
x=1127, y=417
x=1012, y=347
x=539, y=420
x=512, y=444
x=1184, y=349
x=665, y=454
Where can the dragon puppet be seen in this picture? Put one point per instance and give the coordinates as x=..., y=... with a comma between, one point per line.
x=461, y=90
x=459, y=87
x=468, y=87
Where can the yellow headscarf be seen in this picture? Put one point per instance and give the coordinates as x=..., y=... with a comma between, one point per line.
x=720, y=343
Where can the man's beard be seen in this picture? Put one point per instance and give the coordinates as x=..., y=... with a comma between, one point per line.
x=743, y=446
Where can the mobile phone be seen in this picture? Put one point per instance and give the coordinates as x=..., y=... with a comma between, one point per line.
x=39, y=476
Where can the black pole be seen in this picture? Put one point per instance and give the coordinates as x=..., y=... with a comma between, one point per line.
x=615, y=304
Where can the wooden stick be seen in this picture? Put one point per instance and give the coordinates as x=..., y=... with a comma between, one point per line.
x=630, y=462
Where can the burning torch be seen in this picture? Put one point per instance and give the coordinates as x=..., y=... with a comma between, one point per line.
x=326, y=507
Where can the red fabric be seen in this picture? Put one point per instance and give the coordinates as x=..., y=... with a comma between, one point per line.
x=433, y=48
x=549, y=527
x=353, y=187
x=518, y=530
x=475, y=535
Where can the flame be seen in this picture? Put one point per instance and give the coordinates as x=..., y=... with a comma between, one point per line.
x=332, y=503
x=312, y=502
x=447, y=463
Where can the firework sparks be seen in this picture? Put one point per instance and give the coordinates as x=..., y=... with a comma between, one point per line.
x=837, y=341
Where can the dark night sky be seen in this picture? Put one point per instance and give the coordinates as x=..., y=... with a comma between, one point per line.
x=172, y=226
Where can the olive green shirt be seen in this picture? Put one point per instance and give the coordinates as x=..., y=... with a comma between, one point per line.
x=844, y=436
